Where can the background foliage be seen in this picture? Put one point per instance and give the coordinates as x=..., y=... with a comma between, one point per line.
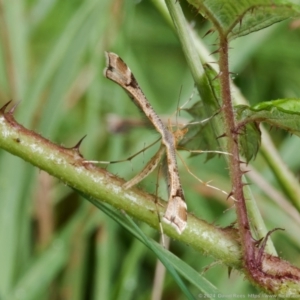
x=54, y=245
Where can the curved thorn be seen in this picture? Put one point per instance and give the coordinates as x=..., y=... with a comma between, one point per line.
x=257, y=242
x=3, y=108
x=77, y=146
x=263, y=246
x=229, y=195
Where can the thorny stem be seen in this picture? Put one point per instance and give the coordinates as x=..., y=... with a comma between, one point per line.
x=271, y=281
x=281, y=275
x=236, y=174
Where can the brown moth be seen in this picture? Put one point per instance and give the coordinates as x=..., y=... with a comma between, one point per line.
x=176, y=213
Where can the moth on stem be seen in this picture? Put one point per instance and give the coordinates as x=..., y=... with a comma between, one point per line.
x=117, y=71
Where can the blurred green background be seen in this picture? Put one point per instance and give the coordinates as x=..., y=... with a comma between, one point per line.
x=55, y=245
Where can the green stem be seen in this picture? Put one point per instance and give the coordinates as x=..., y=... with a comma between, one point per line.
x=285, y=177
x=194, y=48
x=252, y=259
x=269, y=281
x=204, y=90
x=70, y=167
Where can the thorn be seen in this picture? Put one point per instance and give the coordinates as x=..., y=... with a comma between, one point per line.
x=245, y=184
x=216, y=51
x=217, y=76
x=239, y=129
x=263, y=246
x=221, y=136
x=245, y=171
x=242, y=162
x=212, y=30
x=229, y=271
x=257, y=242
x=231, y=225
x=3, y=108
x=77, y=146
x=12, y=110
x=229, y=195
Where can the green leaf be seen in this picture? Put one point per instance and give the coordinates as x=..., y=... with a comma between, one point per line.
x=250, y=140
x=285, y=105
x=172, y=263
x=212, y=76
x=284, y=113
x=199, y=136
x=45, y=267
x=233, y=18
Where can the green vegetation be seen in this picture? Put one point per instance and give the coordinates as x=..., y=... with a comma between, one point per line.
x=56, y=245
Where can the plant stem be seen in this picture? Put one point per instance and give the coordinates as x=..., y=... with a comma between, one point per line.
x=234, y=160
x=195, y=53
x=70, y=167
x=271, y=281
x=253, y=258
